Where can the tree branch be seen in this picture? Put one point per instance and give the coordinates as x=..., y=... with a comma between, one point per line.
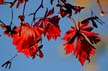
x=34, y=14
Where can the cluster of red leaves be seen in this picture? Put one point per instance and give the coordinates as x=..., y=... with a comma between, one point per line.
x=26, y=37
x=49, y=24
x=80, y=40
x=27, y=42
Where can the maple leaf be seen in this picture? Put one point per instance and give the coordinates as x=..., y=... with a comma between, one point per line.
x=49, y=24
x=80, y=40
x=27, y=43
x=66, y=9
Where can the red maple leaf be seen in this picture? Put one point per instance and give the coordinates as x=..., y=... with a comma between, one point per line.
x=49, y=24
x=27, y=42
x=80, y=40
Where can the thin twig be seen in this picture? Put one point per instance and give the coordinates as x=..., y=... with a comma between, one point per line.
x=13, y=57
x=20, y=29
x=34, y=14
x=41, y=5
x=22, y=19
x=58, y=1
x=12, y=3
x=11, y=17
x=24, y=8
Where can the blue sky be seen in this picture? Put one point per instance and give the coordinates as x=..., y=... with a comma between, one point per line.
x=54, y=56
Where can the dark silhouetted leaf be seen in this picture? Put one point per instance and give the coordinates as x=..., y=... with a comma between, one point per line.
x=77, y=9
x=66, y=9
x=93, y=19
x=50, y=12
x=7, y=30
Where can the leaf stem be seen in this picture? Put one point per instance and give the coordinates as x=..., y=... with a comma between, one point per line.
x=24, y=8
x=13, y=57
x=72, y=20
x=11, y=17
x=1, y=22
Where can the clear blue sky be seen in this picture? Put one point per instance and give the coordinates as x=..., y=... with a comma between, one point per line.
x=54, y=56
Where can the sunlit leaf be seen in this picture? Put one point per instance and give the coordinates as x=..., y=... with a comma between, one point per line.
x=80, y=41
x=27, y=42
x=49, y=24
